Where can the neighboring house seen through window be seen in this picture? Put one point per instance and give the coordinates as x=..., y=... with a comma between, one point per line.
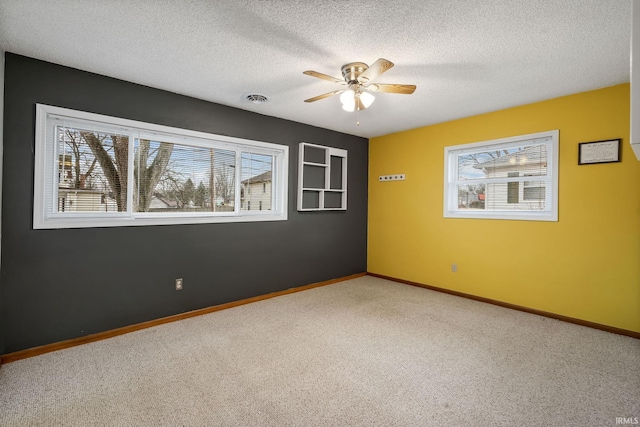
x=510, y=178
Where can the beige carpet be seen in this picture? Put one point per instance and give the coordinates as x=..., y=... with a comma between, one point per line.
x=366, y=352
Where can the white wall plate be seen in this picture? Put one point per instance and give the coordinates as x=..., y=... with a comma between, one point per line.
x=394, y=177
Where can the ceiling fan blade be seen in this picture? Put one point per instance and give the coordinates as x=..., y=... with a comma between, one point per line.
x=324, y=77
x=392, y=88
x=326, y=95
x=377, y=68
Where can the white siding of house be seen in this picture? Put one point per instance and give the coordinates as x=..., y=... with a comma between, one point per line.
x=256, y=193
x=84, y=201
x=497, y=195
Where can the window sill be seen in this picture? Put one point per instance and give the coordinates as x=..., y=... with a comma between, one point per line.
x=125, y=220
x=525, y=216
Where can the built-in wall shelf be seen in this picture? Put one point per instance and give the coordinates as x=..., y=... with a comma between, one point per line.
x=322, y=178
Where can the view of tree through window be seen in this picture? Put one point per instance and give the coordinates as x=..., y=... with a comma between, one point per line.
x=92, y=170
x=168, y=177
x=181, y=178
x=100, y=171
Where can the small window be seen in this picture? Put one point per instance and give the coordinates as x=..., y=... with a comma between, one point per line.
x=100, y=171
x=510, y=178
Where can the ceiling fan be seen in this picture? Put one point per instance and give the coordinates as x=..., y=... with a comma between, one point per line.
x=357, y=78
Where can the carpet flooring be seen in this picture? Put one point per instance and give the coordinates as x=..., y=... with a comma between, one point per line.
x=363, y=352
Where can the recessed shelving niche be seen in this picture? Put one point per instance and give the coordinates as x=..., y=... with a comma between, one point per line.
x=322, y=178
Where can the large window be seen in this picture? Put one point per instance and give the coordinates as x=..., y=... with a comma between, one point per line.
x=510, y=178
x=99, y=171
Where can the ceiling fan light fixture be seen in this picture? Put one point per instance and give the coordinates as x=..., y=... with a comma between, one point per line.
x=349, y=106
x=348, y=97
x=367, y=99
x=348, y=100
x=354, y=97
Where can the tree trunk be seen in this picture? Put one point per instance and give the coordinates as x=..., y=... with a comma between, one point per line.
x=115, y=170
x=148, y=177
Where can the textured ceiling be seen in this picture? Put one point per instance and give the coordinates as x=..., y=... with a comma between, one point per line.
x=465, y=56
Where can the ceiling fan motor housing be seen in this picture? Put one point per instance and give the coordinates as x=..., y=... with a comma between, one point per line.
x=352, y=70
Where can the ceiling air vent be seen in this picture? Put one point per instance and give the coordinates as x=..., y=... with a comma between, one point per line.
x=256, y=98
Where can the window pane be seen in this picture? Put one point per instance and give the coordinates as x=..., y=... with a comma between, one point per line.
x=175, y=178
x=257, y=182
x=223, y=164
x=534, y=191
x=507, y=196
x=500, y=197
x=471, y=196
x=469, y=165
x=92, y=170
x=500, y=163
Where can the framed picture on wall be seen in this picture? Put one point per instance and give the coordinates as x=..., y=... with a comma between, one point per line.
x=607, y=151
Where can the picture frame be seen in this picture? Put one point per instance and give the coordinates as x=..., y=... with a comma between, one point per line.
x=595, y=152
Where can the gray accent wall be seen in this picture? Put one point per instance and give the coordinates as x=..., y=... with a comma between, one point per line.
x=64, y=284
x=1, y=134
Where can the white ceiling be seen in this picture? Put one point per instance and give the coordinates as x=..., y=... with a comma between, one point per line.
x=465, y=56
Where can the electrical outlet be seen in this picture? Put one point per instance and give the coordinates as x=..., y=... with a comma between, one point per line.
x=454, y=268
x=178, y=284
x=395, y=177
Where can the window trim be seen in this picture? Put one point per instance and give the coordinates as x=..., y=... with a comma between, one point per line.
x=45, y=217
x=450, y=201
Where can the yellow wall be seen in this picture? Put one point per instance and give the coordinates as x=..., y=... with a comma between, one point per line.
x=585, y=266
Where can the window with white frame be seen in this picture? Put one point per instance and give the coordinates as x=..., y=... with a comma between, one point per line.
x=509, y=178
x=100, y=171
